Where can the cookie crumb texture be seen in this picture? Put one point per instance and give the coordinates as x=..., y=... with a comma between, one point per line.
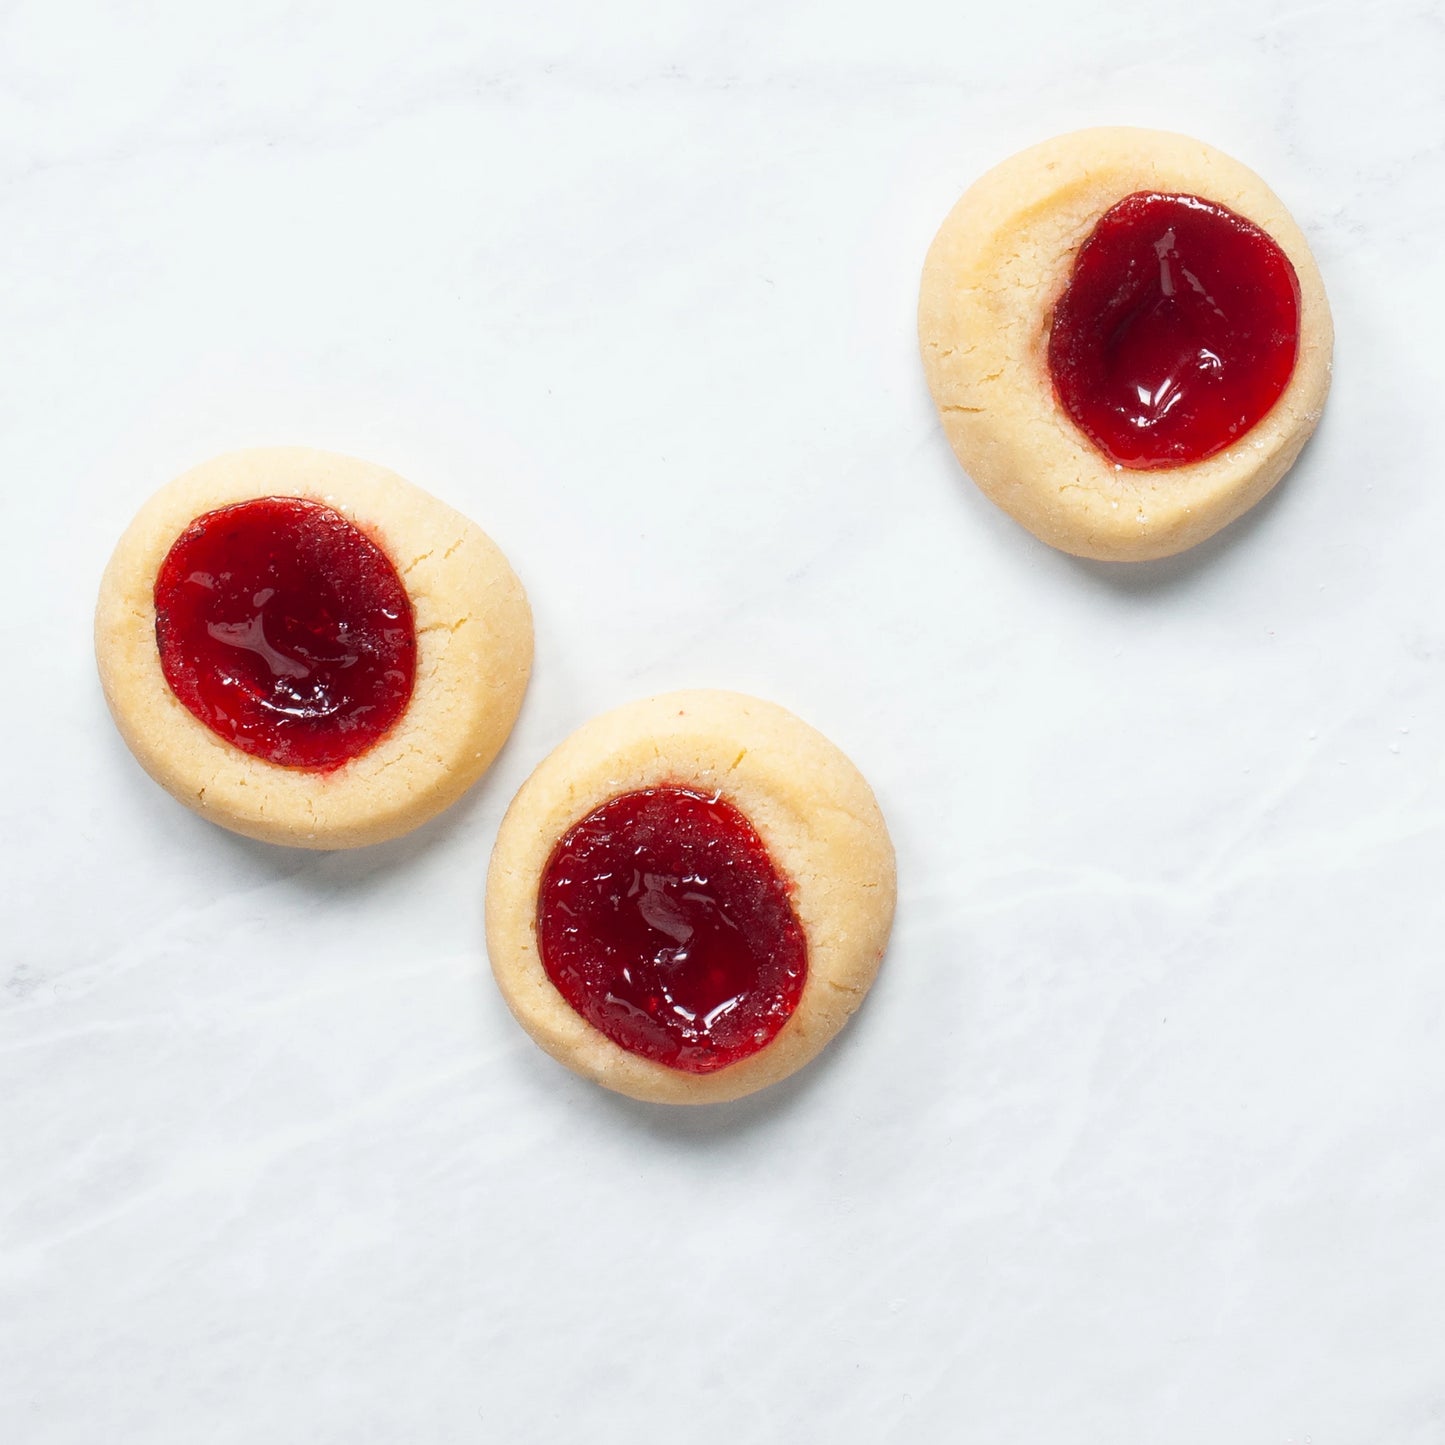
x=995, y=272
x=810, y=807
x=473, y=656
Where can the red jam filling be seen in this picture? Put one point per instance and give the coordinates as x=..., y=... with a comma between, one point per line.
x=1176, y=333
x=662, y=920
x=286, y=630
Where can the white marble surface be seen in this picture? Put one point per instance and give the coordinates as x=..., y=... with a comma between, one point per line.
x=1139, y=1137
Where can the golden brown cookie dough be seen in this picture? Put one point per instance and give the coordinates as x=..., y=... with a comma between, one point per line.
x=474, y=655
x=992, y=276
x=815, y=815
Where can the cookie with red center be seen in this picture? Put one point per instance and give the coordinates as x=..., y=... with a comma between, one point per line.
x=690, y=897
x=1127, y=339
x=309, y=650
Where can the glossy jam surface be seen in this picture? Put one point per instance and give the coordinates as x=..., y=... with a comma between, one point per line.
x=286, y=630
x=662, y=920
x=1176, y=333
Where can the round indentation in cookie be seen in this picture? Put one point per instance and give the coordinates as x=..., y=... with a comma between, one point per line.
x=286, y=631
x=663, y=921
x=693, y=854
x=309, y=650
x=1086, y=382
x=1176, y=332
